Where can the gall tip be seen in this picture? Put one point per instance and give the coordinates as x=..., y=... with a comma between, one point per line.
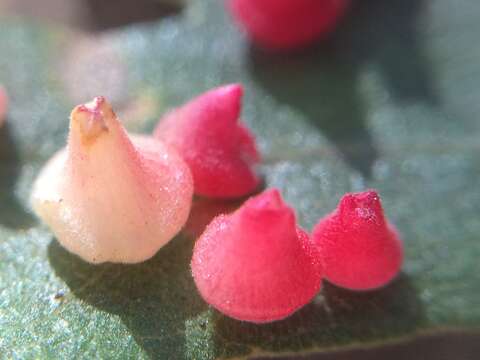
x=268, y=205
x=91, y=118
x=234, y=91
x=365, y=205
x=268, y=200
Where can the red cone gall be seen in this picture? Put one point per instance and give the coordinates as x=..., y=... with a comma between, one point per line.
x=359, y=248
x=256, y=264
x=219, y=149
x=287, y=24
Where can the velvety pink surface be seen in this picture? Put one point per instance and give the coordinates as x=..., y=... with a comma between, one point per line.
x=256, y=264
x=219, y=150
x=359, y=249
x=286, y=24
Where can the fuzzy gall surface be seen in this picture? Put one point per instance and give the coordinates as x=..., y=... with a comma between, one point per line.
x=256, y=264
x=219, y=149
x=359, y=248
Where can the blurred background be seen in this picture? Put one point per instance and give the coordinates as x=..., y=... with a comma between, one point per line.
x=90, y=15
x=388, y=100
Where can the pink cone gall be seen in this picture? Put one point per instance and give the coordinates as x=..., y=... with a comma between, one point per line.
x=220, y=151
x=287, y=24
x=256, y=265
x=359, y=248
x=109, y=196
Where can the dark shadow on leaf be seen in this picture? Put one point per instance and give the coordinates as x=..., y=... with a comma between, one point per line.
x=387, y=34
x=336, y=317
x=96, y=15
x=204, y=210
x=107, y=14
x=12, y=212
x=323, y=82
x=445, y=346
x=154, y=299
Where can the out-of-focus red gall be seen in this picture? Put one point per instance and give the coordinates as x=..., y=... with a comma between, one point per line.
x=287, y=24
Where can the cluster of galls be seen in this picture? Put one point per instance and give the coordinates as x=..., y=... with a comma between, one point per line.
x=257, y=265
x=114, y=197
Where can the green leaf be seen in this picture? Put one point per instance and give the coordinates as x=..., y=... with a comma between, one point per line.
x=389, y=102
